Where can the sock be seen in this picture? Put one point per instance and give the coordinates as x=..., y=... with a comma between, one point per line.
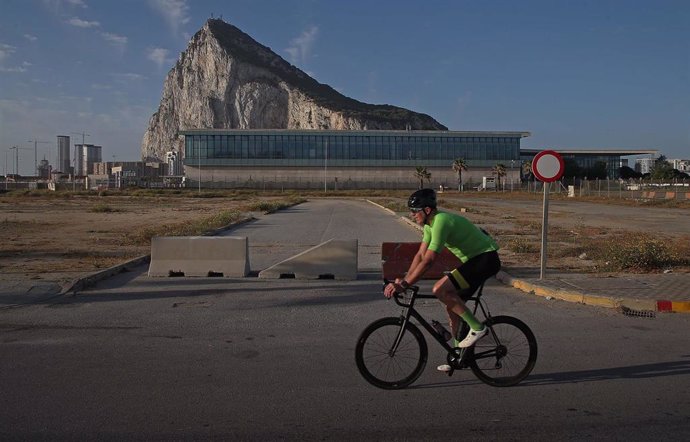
x=469, y=318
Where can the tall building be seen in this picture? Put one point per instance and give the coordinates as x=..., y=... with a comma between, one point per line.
x=87, y=155
x=63, y=158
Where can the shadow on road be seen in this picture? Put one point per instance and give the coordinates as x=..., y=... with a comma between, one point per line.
x=656, y=370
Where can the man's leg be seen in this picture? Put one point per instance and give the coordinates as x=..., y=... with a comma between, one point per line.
x=447, y=293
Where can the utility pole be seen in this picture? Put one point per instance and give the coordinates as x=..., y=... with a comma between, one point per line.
x=36, y=153
x=16, y=163
x=16, y=155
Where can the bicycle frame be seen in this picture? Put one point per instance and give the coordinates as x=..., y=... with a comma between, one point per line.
x=412, y=313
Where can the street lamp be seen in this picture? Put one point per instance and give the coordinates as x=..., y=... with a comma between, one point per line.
x=16, y=163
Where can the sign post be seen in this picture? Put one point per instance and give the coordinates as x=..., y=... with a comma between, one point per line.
x=548, y=167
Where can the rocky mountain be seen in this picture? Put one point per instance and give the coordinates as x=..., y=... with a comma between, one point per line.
x=226, y=80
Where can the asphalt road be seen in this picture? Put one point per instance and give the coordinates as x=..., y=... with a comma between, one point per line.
x=247, y=359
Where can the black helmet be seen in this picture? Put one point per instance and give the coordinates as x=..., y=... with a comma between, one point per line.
x=422, y=198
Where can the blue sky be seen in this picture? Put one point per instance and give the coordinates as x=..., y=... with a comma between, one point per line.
x=576, y=74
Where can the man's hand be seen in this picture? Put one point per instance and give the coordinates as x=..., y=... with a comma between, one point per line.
x=393, y=288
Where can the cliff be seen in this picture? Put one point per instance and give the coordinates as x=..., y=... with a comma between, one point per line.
x=226, y=80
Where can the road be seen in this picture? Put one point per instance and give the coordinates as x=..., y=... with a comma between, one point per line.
x=246, y=359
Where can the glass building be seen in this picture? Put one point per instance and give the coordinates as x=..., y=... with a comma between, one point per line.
x=348, y=148
x=217, y=154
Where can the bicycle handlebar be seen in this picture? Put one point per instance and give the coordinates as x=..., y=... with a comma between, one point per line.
x=398, y=296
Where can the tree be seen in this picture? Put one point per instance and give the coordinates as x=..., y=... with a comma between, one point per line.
x=571, y=169
x=459, y=165
x=662, y=170
x=598, y=170
x=527, y=171
x=626, y=173
x=500, y=171
x=422, y=174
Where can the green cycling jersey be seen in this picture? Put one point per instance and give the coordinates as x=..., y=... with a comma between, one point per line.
x=457, y=234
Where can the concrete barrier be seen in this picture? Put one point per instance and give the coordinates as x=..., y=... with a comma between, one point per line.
x=333, y=259
x=397, y=257
x=226, y=256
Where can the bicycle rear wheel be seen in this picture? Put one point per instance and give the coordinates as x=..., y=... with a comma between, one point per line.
x=383, y=367
x=506, y=355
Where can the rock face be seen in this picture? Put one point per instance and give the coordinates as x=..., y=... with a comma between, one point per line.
x=226, y=80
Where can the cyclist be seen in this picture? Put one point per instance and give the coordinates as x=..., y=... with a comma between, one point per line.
x=476, y=250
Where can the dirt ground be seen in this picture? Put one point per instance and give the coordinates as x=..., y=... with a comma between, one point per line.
x=60, y=239
x=57, y=239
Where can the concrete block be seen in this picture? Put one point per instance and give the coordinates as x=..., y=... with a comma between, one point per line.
x=333, y=259
x=226, y=256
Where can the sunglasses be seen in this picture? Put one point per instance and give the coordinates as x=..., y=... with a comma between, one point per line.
x=416, y=209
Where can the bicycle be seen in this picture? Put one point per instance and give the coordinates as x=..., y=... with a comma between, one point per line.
x=391, y=352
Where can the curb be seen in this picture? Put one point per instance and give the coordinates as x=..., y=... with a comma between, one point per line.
x=626, y=304
x=86, y=281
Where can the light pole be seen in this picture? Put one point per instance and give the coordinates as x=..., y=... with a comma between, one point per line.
x=36, y=154
x=16, y=163
x=325, y=161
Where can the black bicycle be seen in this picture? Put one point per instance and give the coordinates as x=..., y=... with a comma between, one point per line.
x=391, y=353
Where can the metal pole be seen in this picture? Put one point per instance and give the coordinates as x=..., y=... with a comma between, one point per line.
x=544, y=229
x=325, y=162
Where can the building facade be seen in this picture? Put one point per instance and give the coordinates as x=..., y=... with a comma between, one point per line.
x=86, y=156
x=341, y=159
x=63, y=156
x=610, y=159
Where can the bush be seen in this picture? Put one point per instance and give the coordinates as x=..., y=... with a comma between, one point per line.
x=104, y=208
x=523, y=245
x=637, y=253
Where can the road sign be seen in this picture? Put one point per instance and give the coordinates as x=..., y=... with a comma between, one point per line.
x=548, y=166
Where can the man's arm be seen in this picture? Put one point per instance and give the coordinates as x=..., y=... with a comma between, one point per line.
x=422, y=262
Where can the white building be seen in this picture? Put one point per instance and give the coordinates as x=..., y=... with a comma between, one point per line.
x=644, y=165
x=680, y=165
x=86, y=156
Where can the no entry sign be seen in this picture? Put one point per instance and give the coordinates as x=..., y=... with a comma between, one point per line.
x=548, y=166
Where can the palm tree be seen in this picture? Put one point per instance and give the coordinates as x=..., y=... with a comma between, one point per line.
x=527, y=170
x=422, y=174
x=500, y=171
x=459, y=165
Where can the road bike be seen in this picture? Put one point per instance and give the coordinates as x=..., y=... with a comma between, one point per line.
x=391, y=352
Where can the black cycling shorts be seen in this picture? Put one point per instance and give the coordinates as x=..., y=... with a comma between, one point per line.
x=470, y=275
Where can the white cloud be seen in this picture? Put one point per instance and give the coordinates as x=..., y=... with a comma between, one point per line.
x=300, y=47
x=128, y=76
x=79, y=3
x=118, y=40
x=75, y=21
x=30, y=37
x=175, y=12
x=158, y=56
x=5, y=51
x=16, y=69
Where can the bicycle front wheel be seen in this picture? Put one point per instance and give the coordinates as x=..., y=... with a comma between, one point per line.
x=506, y=355
x=383, y=365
